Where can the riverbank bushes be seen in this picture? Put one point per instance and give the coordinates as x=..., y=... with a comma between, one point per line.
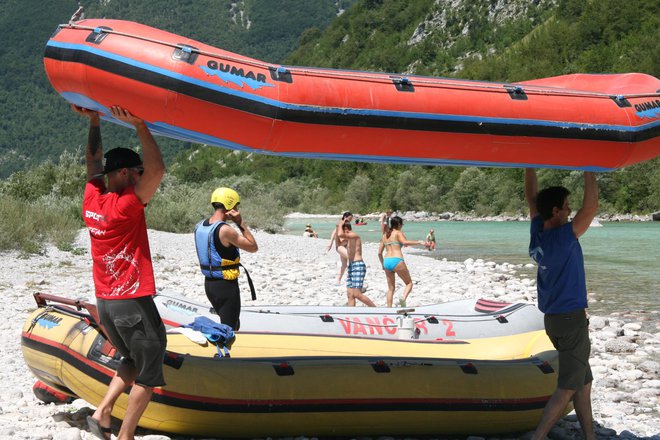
x=43, y=204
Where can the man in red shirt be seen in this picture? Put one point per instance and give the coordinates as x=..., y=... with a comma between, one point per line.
x=122, y=270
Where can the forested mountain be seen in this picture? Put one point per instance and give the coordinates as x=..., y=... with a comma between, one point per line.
x=36, y=123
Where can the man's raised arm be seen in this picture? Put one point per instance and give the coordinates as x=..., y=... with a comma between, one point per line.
x=531, y=191
x=154, y=167
x=94, y=150
x=587, y=212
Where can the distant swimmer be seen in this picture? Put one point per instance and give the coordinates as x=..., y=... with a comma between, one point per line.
x=393, y=241
x=309, y=232
x=430, y=240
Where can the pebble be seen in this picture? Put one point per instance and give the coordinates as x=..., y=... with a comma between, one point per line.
x=620, y=346
x=69, y=434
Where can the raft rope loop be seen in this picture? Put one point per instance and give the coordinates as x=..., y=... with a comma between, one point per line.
x=384, y=77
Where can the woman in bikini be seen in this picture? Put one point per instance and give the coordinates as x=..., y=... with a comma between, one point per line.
x=392, y=242
x=340, y=246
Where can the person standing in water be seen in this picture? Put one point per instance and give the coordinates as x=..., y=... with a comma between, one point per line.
x=430, y=240
x=309, y=232
x=562, y=294
x=392, y=242
x=357, y=270
x=340, y=246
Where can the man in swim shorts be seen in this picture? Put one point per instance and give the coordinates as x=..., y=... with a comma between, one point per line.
x=357, y=270
x=562, y=294
x=122, y=270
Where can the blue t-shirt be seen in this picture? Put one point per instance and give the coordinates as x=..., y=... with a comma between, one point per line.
x=560, y=280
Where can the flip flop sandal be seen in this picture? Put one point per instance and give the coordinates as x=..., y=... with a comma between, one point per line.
x=98, y=430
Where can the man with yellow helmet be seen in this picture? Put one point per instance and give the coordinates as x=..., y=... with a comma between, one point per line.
x=219, y=257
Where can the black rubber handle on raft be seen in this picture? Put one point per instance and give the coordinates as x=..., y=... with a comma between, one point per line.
x=98, y=35
x=283, y=369
x=280, y=74
x=621, y=101
x=516, y=92
x=187, y=54
x=402, y=84
x=380, y=367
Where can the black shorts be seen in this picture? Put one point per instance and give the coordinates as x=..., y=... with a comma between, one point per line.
x=225, y=297
x=569, y=333
x=137, y=332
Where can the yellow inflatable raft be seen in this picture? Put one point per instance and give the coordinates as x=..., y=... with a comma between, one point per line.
x=292, y=385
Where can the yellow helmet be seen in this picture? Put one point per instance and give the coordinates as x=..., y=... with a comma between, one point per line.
x=227, y=196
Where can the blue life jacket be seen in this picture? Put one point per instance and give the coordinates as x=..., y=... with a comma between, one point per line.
x=210, y=261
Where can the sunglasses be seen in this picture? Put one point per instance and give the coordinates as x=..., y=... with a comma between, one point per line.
x=140, y=170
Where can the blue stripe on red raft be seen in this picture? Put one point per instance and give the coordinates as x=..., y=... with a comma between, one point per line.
x=104, y=375
x=345, y=111
x=175, y=132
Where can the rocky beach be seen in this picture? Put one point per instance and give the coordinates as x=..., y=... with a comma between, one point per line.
x=298, y=270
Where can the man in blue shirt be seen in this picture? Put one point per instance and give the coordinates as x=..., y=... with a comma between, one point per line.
x=562, y=293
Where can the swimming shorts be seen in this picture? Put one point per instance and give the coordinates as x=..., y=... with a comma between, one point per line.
x=569, y=333
x=356, y=273
x=137, y=332
x=389, y=263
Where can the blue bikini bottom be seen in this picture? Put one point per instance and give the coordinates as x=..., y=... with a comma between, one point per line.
x=389, y=263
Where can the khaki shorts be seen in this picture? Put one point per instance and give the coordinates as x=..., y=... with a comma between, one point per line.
x=569, y=333
x=137, y=332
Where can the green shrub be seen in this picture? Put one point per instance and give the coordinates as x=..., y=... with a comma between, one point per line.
x=29, y=226
x=64, y=179
x=42, y=205
x=177, y=207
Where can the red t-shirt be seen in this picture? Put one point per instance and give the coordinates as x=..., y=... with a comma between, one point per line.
x=120, y=246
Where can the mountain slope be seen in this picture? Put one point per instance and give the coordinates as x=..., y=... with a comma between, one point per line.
x=505, y=40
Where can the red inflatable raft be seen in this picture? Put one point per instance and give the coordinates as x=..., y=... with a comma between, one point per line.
x=192, y=91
